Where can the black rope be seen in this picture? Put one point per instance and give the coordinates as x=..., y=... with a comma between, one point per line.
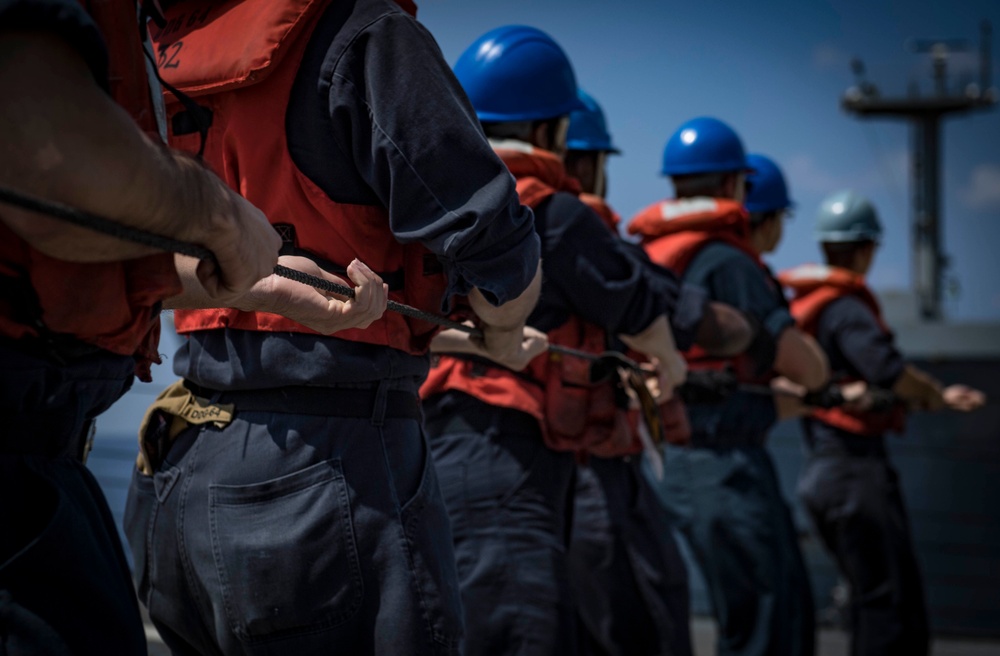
x=111, y=228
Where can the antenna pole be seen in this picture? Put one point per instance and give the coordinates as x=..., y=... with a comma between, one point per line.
x=925, y=113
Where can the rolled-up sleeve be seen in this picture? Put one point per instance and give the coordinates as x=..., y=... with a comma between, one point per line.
x=598, y=276
x=416, y=141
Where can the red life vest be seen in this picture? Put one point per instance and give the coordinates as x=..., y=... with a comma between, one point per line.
x=574, y=413
x=240, y=59
x=110, y=305
x=674, y=231
x=672, y=412
x=814, y=288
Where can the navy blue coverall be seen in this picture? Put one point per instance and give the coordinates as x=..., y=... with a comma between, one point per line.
x=64, y=581
x=313, y=522
x=628, y=576
x=723, y=493
x=852, y=492
x=510, y=498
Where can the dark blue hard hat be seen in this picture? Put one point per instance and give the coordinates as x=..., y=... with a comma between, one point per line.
x=588, y=129
x=703, y=145
x=517, y=73
x=768, y=191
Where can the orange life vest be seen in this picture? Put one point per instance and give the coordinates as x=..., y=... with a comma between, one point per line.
x=574, y=413
x=814, y=288
x=672, y=413
x=673, y=232
x=110, y=305
x=239, y=59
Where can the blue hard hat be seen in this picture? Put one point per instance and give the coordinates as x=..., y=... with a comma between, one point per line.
x=768, y=191
x=703, y=145
x=517, y=73
x=847, y=216
x=587, y=128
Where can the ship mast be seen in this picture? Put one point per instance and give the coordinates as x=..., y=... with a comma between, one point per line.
x=925, y=113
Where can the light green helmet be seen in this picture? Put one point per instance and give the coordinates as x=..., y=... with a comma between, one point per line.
x=847, y=216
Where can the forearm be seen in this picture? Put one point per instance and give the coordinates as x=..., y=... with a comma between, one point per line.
x=65, y=140
x=917, y=387
x=455, y=341
x=656, y=340
x=512, y=314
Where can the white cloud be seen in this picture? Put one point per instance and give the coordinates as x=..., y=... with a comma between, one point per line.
x=803, y=173
x=827, y=56
x=982, y=193
x=888, y=172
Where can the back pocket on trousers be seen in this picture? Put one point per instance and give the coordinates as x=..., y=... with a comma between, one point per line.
x=285, y=552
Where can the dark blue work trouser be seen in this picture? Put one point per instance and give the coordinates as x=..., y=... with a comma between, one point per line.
x=297, y=534
x=628, y=576
x=858, y=510
x=64, y=581
x=727, y=503
x=510, y=501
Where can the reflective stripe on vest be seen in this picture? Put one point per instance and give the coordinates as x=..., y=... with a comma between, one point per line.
x=240, y=59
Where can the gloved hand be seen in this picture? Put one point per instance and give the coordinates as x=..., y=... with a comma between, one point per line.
x=708, y=386
x=829, y=396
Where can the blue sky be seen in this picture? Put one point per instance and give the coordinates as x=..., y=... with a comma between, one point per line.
x=775, y=70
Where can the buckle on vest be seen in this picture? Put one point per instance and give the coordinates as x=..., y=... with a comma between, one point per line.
x=185, y=121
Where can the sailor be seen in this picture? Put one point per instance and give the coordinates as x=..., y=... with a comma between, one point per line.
x=79, y=312
x=628, y=577
x=722, y=490
x=848, y=485
x=503, y=441
x=305, y=514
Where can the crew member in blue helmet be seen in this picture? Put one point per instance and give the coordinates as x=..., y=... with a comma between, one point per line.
x=505, y=442
x=626, y=571
x=848, y=485
x=305, y=517
x=723, y=490
x=768, y=203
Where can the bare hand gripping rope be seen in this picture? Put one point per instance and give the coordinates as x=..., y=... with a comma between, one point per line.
x=111, y=228
x=721, y=382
